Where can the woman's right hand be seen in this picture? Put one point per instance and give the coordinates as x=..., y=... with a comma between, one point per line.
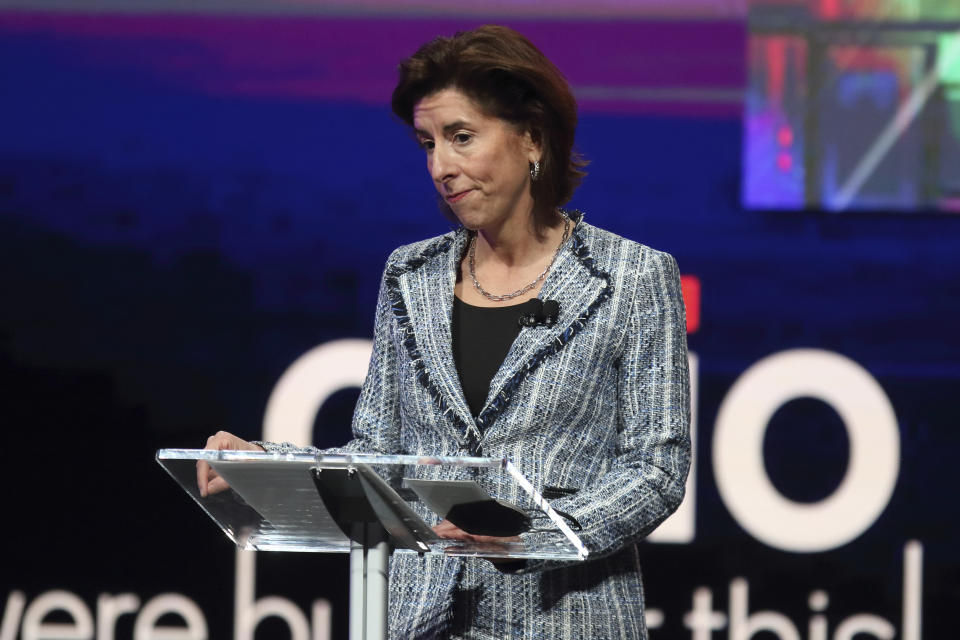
x=208, y=480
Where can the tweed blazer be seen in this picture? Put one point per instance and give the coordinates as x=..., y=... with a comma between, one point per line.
x=597, y=404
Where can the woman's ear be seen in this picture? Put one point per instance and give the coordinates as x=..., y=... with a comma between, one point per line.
x=532, y=142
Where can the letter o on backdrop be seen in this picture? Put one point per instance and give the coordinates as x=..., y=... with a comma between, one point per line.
x=311, y=379
x=872, y=469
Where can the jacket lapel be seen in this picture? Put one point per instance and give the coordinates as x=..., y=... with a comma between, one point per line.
x=428, y=292
x=571, y=284
x=425, y=287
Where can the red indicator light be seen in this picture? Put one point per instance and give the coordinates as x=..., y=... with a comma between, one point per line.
x=785, y=136
x=784, y=161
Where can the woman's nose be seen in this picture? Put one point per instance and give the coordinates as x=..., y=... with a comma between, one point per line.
x=442, y=167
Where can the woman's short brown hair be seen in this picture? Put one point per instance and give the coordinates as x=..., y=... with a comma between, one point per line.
x=511, y=79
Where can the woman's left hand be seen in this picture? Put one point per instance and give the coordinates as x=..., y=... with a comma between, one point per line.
x=450, y=531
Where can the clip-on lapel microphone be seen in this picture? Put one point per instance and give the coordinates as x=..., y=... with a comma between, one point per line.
x=539, y=313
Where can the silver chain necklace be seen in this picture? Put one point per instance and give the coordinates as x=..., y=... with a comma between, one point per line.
x=519, y=292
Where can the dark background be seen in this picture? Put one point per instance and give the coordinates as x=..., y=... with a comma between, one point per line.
x=189, y=202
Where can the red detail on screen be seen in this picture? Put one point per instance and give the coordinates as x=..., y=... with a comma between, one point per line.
x=690, y=286
x=785, y=136
x=829, y=9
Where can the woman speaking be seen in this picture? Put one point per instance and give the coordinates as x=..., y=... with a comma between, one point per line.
x=526, y=334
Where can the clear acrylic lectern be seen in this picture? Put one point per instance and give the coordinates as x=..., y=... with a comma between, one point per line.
x=372, y=505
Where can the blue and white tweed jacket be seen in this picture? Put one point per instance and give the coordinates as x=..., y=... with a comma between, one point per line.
x=598, y=404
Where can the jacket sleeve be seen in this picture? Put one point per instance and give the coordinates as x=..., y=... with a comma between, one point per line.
x=645, y=481
x=375, y=422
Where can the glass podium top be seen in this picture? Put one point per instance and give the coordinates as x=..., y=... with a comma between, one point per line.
x=306, y=502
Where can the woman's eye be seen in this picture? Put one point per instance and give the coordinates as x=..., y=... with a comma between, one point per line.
x=426, y=145
x=461, y=138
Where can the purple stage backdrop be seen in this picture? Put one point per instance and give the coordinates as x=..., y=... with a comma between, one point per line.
x=196, y=202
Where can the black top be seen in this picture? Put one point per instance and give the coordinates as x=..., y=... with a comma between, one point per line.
x=482, y=337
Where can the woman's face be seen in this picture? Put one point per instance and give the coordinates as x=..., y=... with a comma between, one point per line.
x=479, y=163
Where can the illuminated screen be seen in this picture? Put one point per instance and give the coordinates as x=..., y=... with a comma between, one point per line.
x=853, y=104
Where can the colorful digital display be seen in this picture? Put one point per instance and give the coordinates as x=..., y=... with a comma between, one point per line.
x=853, y=105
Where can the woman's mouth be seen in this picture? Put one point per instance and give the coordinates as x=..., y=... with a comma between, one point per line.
x=457, y=197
